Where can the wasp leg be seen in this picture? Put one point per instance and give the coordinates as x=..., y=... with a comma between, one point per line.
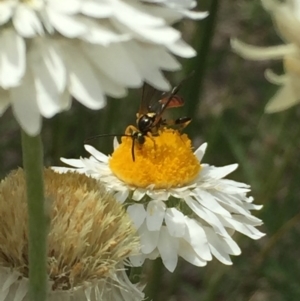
x=182, y=122
x=135, y=135
x=178, y=124
x=130, y=130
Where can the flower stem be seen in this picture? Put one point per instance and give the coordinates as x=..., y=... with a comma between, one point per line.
x=33, y=165
x=152, y=290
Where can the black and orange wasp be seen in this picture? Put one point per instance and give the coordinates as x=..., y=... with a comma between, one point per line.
x=150, y=115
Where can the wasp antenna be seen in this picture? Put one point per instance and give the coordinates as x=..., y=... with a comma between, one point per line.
x=106, y=135
x=177, y=88
x=132, y=149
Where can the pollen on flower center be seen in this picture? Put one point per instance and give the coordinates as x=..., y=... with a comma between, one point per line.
x=165, y=160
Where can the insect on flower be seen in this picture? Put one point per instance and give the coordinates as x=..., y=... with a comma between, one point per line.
x=150, y=116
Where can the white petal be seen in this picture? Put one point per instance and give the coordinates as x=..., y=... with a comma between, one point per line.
x=286, y=19
x=249, y=231
x=49, y=28
x=269, y=5
x=175, y=222
x=229, y=202
x=181, y=49
x=6, y=11
x=149, y=239
x=65, y=100
x=196, y=237
x=54, y=63
x=49, y=77
x=73, y=162
x=27, y=22
x=274, y=78
x=61, y=170
x=115, y=63
x=226, y=244
x=163, y=35
x=4, y=294
x=155, y=215
x=235, y=184
x=216, y=246
x=138, y=194
x=285, y=97
x=137, y=27
x=167, y=247
x=66, y=7
x=137, y=260
x=178, y=4
x=154, y=254
x=68, y=26
x=262, y=53
x=83, y=83
x=25, y=107
x=116, y=143
x=147, y=70
x=199, y=153
x=161, y=195
x=221, y=172
x=121, y=195
x=96, y=9
x=253, y=207
x=207, y=215
x=137, y=213
x=255, y=233
x=102, y=35
x=21, y=290
x=87, y=293
x=11, y=279
x=12, y=58
x=134, y=15
x=232, y=187
x=95, y=153
x=231, y=246
x=207, y=200
x=159, y=56
x=169, y=15
x=110, y=87
x=195, y=15
x=188, y=253
x=249, y=220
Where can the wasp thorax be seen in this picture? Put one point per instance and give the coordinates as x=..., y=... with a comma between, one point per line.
x=145, y=122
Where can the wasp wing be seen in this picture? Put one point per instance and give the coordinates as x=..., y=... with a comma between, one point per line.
x=171, y=100
x=147, y=104
x=175, y=101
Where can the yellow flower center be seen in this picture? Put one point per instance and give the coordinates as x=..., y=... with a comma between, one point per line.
x=166, y=160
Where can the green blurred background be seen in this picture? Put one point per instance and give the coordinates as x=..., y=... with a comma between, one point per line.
x=226, y=99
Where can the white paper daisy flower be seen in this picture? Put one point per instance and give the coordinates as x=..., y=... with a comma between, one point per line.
x=90, y=237
x=180, y=206
x=52, y=50
x=286, y=17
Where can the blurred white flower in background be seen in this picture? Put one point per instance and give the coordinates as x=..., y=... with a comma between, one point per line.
x=286, y=17
x=180, y=206
x=51, y=50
